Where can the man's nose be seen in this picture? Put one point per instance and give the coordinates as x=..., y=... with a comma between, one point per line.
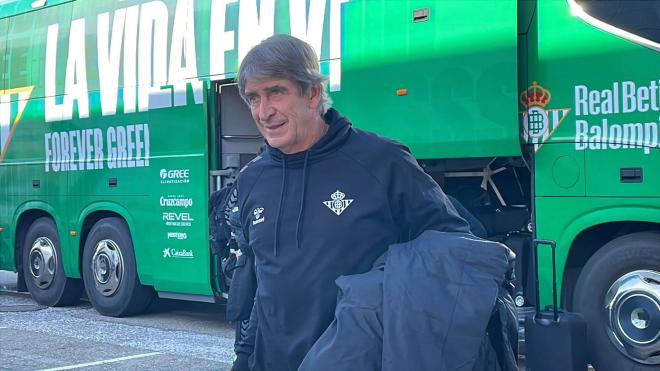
x=266, y=110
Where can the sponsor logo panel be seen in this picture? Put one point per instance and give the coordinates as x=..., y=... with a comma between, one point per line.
x=172, y=253
x=176, y=201
x=177, y=235
x=174, y=176
x=174, y=219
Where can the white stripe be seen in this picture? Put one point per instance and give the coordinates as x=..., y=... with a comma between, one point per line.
x=113, y=360
x=1, y=327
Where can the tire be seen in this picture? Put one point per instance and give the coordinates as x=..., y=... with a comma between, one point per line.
x=625, y=273
x=43, y=269
x=110, y=272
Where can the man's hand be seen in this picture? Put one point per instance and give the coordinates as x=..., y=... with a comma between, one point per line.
x=241, y=362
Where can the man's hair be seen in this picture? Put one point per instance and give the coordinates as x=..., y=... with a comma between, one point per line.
x=284, y=57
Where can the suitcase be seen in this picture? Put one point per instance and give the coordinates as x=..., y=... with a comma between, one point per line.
x=555, y=340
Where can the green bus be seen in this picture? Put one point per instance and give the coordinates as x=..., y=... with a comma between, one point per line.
x=118, y=119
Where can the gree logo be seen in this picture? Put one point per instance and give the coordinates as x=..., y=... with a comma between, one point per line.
x=12, y=105
x=174, y=176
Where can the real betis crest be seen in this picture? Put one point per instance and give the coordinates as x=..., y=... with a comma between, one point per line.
x=338, y=203
x=539, y=123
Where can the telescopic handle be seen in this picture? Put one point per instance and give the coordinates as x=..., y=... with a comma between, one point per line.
x=553, y=246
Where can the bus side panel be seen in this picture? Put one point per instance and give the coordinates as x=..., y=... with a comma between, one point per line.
x=4, y=28
x=22, y=128
x=26, y=49
x=563, y=221
x=6, y=261
x=148, y=157
x=459, y=69
x=580, y=159
x=167, y=198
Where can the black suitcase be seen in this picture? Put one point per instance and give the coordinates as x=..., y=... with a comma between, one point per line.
x=555, y=340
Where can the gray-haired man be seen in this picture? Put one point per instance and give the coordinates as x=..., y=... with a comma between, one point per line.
x=323, y=200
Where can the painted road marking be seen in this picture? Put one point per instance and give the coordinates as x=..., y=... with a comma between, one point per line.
x=113, y=360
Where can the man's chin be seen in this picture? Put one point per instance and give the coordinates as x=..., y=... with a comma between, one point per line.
x=275, y=143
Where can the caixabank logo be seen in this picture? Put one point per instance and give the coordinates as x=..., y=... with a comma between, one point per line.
x=539, y=122
x=12, y=105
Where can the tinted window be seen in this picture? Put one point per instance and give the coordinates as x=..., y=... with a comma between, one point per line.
x=640, y=17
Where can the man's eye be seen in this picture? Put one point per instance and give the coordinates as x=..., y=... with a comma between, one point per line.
x=252, y=100
x=275, y=94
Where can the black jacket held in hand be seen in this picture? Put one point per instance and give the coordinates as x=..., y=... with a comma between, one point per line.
x=436, y=304
x=329, y=211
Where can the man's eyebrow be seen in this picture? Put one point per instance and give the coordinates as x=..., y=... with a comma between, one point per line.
x=273, y=88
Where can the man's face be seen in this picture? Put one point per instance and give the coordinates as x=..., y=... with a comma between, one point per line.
x=283, y=116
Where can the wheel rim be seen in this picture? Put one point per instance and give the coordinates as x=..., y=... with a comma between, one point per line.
x=107, y=267
x=633, y=307
x=43, y=262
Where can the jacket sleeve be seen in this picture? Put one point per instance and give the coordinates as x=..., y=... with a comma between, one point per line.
x=237, y=231
x=417, y=201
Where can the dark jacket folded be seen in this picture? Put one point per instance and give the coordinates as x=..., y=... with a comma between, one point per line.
x=434, y=307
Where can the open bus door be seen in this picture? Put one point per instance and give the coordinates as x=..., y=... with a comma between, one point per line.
x=235, y=142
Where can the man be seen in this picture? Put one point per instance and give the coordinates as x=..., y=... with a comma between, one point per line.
x=323, y=200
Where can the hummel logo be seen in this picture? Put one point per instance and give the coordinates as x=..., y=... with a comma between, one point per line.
x=338, y=204
x=257, y=215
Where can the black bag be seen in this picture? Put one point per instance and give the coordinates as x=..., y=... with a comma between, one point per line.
x=521, y=244
x=554, y=339
x=220, y=204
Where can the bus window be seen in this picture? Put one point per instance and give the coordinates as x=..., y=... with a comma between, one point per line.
x=4, y=24
x=641, y=17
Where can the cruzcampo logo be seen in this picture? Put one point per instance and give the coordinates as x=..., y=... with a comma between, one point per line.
x=539, y=123
x=12, y=106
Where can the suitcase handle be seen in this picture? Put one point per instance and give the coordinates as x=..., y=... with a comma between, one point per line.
x=553, y=246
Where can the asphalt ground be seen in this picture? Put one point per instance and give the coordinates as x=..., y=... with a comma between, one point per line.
x=172, y=335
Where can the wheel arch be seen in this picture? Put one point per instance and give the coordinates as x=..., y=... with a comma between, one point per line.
x=589, y=232
x=93, y=213
x=23, y=217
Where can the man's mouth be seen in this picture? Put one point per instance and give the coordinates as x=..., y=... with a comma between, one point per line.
x=275, y=127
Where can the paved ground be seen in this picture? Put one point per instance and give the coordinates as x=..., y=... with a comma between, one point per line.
x=172, y=335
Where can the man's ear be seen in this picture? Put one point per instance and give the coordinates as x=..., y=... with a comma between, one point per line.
x=315, y=95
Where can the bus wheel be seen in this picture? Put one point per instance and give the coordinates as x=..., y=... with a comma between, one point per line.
x=43, y=269
x=110, y=272
x=618, y=293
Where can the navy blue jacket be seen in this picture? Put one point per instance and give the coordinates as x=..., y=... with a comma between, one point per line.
x=431, y=309
x=313, y=216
